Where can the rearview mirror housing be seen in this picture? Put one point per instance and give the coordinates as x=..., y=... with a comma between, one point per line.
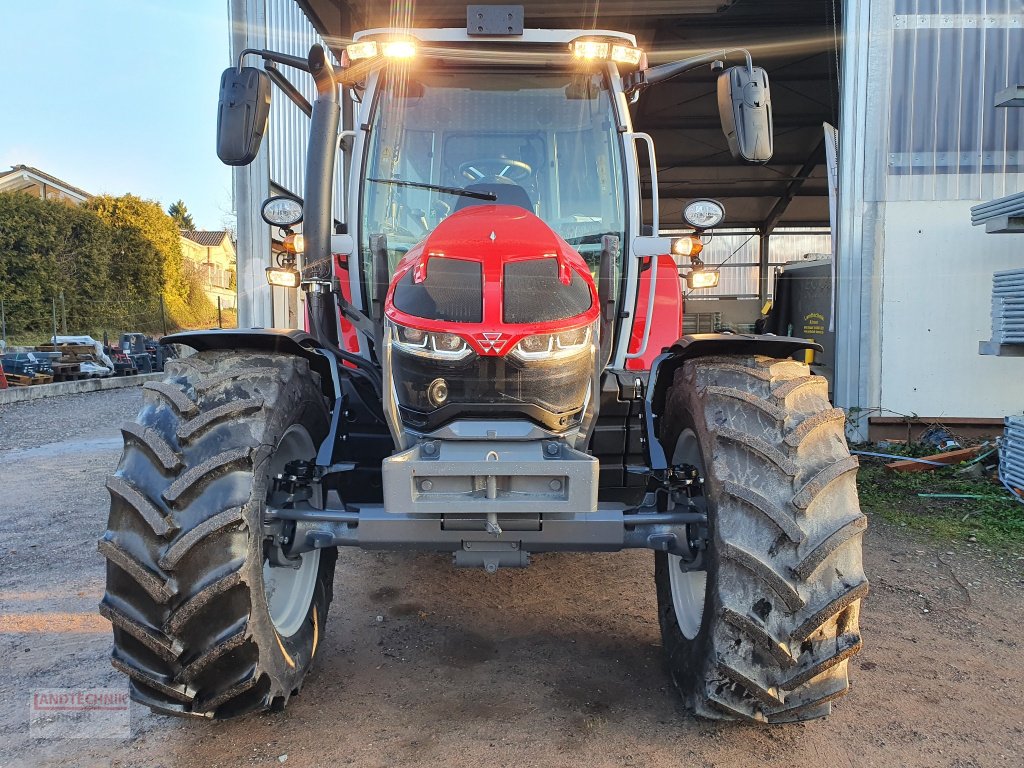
x=745, y=106
x=242, y=114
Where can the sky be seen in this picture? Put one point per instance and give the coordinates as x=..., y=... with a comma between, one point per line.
x=118, y=96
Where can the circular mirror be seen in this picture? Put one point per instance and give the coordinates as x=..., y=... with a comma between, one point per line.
x=282, y=211
x=704, y=214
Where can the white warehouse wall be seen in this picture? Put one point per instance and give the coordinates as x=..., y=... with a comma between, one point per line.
x=921, y=144
x=936, y=283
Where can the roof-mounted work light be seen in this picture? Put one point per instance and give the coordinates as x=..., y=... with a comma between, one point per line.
x=398, y=49
x=590, y=49
x=601, y=49
x=627, y=54
x=389, y=49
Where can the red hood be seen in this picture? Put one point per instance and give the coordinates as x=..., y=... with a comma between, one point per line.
x=493, y=235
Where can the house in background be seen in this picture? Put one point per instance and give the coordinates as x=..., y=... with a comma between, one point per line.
x=213, y=253
x=25, y=178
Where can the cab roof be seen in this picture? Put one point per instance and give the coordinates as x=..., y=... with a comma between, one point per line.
x=529, y=37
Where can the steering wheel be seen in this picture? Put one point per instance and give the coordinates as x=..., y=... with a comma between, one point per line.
x=496, y=167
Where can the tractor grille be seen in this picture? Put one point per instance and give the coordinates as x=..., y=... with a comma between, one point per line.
x=494, y=387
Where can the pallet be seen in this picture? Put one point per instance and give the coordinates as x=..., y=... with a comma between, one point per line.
x=17, y=380
x=67, y=371
x=76, y=376
x=71, y=354
x=68, y=349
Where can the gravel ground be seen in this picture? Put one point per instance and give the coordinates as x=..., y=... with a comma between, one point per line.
x=556, y=665
x=68, y=418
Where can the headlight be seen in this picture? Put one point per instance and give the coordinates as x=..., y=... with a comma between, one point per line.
x=441, y=346
x=702, y=278
x=704, y=214
x=553, y=346
x=285, y=277
x=281, y=211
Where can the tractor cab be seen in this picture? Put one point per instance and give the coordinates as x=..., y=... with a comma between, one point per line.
x=536, y=119
x=543, y=139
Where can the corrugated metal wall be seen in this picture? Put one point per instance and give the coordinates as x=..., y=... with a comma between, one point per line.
x=289, y=31
x=949, y=60
x=736, y=255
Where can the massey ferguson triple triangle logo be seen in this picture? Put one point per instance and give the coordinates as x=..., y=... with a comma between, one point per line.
x=491, y=342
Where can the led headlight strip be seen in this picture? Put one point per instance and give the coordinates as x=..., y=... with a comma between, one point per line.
x=439, y=346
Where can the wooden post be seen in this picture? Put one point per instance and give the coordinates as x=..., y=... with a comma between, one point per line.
x=163, y=317
x=220, y=319
x=53, y=306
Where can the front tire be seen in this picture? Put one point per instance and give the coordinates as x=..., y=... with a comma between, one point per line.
x=769, y=635
x=203, y=626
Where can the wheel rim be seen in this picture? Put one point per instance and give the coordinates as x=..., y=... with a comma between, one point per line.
x=689, y=588
x=289, y=591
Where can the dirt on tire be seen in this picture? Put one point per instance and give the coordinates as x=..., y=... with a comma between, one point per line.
x=784, y=573
x=184, y=541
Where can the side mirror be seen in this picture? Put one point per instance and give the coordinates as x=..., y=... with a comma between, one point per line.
x=745, y=105
x=242, y=114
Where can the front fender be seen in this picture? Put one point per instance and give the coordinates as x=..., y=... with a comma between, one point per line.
x=663, y=370
x=285, y=341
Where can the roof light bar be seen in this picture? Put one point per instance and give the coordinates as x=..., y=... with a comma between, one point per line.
x=626, y=54
x=601, y=49
x=590, y=49
x=365, y=49
x=398, y=49
x=389, y=49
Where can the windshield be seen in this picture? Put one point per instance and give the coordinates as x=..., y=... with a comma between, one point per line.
x=542, y=140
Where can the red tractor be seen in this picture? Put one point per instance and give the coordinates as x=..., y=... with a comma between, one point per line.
x=492, y=368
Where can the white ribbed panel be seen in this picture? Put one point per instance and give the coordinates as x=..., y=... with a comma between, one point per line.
x=737, y=258
x=946, y=139
x=290, y=32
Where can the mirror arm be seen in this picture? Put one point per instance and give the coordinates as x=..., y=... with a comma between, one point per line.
x=280, y=58
x=293, y=93
x=663, y=72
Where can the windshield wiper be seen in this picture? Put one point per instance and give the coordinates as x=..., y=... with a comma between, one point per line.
x=593, y=239
x=438, y=188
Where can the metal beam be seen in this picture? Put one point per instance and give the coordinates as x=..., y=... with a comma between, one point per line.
x=764, y=268
x=1005, y=225
x=779, y=209
x=289, y=90
x=714, y=122
x=251, y=186
x=1011, y=97
x=724, y=191
x=856, y=316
